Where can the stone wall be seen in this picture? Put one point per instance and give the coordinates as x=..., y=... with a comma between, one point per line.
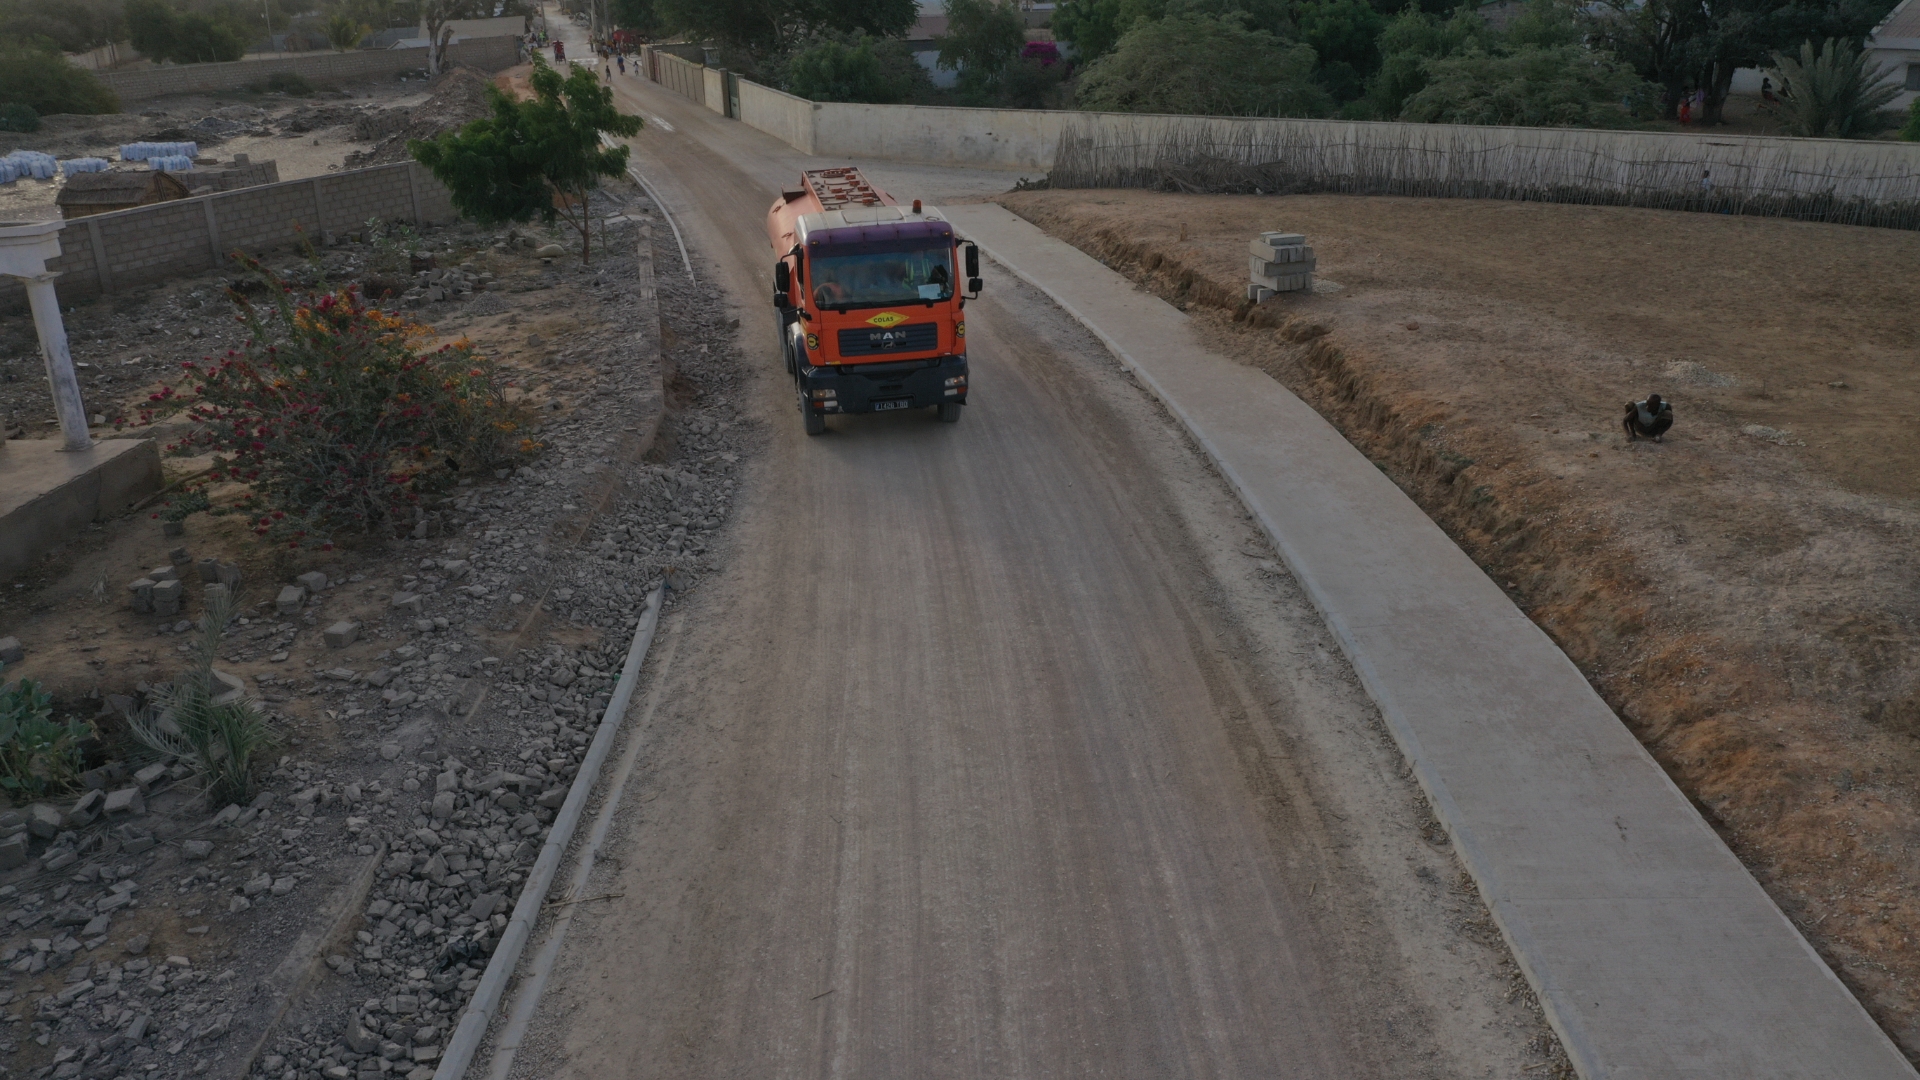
x=321, y=69
x=106, y=253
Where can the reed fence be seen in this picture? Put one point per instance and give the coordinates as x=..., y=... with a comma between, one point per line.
x=1853, y=183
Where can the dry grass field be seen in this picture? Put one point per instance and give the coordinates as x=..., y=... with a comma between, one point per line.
x=1747, y=593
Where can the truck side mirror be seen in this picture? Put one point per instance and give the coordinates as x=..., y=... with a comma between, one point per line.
x=782, y=284
x=972, y=256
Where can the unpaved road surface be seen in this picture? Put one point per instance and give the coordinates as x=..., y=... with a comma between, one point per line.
x=1003, y=749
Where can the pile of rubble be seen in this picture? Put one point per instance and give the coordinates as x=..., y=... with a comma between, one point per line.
x=459, y=97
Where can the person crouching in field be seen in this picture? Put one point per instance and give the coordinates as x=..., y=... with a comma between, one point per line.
x=1650, y=418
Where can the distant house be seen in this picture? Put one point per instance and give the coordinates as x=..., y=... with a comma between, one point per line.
x=85, y=194
x=1895, y=45
x=503, y=26
x=924, y=40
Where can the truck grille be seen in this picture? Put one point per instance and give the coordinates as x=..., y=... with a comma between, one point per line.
x=866, y=341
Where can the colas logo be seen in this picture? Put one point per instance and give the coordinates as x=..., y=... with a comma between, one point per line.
x=887, y=320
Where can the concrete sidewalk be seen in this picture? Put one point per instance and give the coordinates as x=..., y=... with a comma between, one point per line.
x=1653, y=951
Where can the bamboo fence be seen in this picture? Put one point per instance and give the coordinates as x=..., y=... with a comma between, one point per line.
x=1854, y=183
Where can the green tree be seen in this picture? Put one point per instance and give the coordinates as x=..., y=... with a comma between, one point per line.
x=162, y=32
x=345, y=32
x=856, y=68
x=1345, y=35
x=1204, y=64
x=638, y=16
x=1567, y=86
x=46, y=82
x=1410, y=39
x=766, y=27
x=70, y=25
x=540, y=156
x=1094, y=27
x=1832, y=91
x=983, y=38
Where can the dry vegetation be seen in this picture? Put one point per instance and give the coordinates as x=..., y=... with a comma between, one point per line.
x=1744, y=594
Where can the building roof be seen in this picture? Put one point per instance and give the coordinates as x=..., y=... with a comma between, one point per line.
x=1901, y=26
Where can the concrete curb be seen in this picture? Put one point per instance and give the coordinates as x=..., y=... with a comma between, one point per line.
x=526, y=913
x=1654, y=953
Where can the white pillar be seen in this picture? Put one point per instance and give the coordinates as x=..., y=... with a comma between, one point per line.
x=53, y=346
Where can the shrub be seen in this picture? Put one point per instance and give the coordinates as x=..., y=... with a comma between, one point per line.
x=163, y=33
x=37, y=754
x=217, y=739
x=345, y=32
x=335, y=418
x=48, y=83
x=1911, y=132
x=286, y=82
x=1202, y=64
x=1833, y=91
x=1567, y=86
x=837, y=71
x=19, y=116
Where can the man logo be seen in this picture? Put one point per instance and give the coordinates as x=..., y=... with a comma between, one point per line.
x=887, y=320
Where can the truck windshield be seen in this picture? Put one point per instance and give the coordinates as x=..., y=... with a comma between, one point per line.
x=878, y=279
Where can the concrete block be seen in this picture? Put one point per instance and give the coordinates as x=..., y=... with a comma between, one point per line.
x=228, y=574
x=1259, y=269
x=313, y=581
x=150, y=775
x=44, y=821
x=85, y=809
x=1265, y=248
x=166, y=597
x=142, y=590
x=164, y=572
x=341, y=634
x=290, y=600
x=13, y=851
x=125, y=801
x=209, y=570
x=11, y=651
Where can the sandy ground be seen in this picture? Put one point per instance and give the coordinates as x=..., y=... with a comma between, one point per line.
x=1745, y=593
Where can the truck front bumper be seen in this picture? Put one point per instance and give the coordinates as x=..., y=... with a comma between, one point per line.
x=900, y=384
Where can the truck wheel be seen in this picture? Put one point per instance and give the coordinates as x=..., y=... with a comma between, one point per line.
x=950, y=412
x=815, y=423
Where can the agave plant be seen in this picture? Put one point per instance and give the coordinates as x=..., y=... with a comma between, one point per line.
x=37, y=753
x=210, y=727
x=1833, y=90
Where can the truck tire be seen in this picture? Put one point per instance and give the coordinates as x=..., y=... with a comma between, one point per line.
x=950, y=411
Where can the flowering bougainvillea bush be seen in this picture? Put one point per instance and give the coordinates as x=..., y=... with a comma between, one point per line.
x=339, y=417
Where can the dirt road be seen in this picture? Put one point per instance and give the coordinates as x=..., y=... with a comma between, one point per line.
x=990, y=753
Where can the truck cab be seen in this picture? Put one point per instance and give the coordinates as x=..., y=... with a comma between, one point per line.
x=869, y=297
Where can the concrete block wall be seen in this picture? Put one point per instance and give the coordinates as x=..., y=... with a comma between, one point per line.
x=783, y=116
x=682, y=77
x=713, y=83
x=106, y=253
x=487, y=54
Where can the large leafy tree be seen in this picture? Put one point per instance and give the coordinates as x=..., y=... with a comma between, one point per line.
x=856, y=67
x=764, y=27
x=69, y=25
x=984, y=38
x=540, y=156
x=1094, y=27
x=1345, y=35
x=1204, y=64
x=1410, y=39
x=162, y=32
x=1533, y=86
x=44, y=81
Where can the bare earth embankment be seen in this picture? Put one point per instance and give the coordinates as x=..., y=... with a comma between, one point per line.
x=1743, y=594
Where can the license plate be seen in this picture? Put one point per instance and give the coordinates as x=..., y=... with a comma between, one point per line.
x=899, y=403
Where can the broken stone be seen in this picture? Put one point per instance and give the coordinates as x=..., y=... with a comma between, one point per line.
x=11, y=651
x=150, y=775
x=553, y=799
x=86, y=808
x=443, y=804
x=209, y=570
x=341, y=634
x=97, y=926
x=313, y=581
x=137, y=944
x=44, y=821
x=282, y=886
x=227, y=816
x=179, y=556
x=13, y=851
x=195, y=850
x=408, y=602
x=125, y=801
x=290, y=600
x=61, y=860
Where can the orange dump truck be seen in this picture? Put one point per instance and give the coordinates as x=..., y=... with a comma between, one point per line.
x=868, y=299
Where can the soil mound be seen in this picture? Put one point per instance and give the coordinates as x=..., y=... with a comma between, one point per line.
x=459, y=98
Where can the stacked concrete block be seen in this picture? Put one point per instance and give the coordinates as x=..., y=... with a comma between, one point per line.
x=1279, y=262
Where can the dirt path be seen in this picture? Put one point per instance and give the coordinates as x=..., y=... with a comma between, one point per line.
x=1744, y=594
x=1004, y=749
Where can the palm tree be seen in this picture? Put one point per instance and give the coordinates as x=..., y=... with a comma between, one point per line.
x=345, y=32
x=1834, y=92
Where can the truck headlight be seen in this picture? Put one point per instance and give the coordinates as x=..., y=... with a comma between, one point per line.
x=957, y=380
